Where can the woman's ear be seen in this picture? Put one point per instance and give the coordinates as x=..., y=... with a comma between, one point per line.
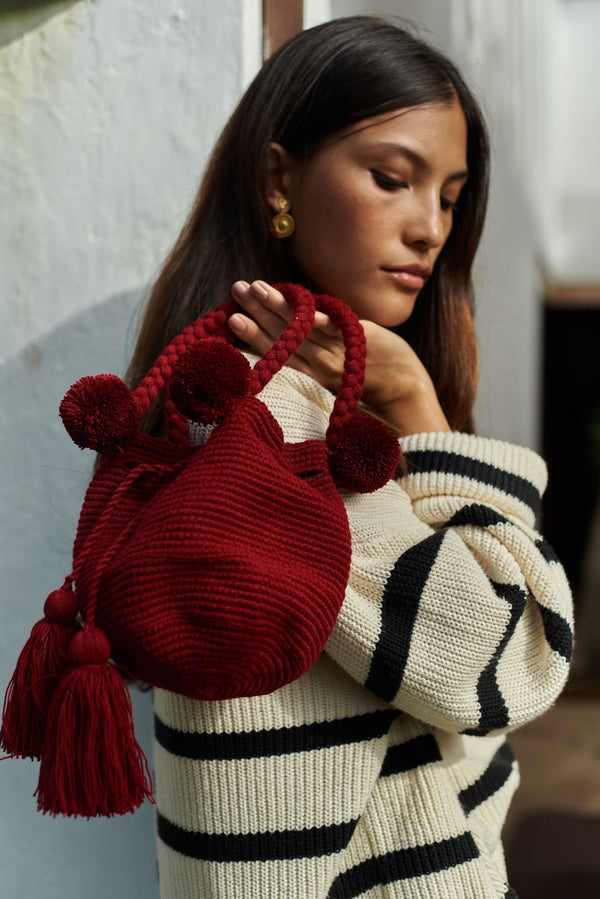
x=280, y=171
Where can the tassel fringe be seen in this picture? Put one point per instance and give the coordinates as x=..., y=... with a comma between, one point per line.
x=44, y=658
x=91, y=762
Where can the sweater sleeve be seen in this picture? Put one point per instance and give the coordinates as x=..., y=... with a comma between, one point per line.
x=456, y=611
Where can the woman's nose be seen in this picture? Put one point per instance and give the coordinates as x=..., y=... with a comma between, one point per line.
x=427, y=226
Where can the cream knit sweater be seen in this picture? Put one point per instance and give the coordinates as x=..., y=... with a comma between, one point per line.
x=383, y=771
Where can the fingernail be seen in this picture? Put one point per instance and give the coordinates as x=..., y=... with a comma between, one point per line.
x=237, y=323
x=259, y=289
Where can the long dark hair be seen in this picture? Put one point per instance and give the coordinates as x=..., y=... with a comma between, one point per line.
x=321, y=81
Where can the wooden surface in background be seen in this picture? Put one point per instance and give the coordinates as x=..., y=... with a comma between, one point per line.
x=282, y=19
x=566, y=296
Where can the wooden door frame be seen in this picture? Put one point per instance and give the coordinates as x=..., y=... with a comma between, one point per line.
x=282, y=19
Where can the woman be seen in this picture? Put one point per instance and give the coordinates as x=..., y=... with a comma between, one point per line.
x=384, y=770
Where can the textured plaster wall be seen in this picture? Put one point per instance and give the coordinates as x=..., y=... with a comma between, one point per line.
x=573, y=137
x=107, y=112
x=19, y=16
x=497, y=45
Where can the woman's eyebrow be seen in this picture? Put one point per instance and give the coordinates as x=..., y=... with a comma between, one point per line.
x=416, y=159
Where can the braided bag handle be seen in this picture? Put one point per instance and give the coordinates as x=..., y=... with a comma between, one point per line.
x=102, y=413
x=350, y=390
x=214, y=324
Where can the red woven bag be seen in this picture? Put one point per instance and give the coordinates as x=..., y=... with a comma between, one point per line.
x=213, y=571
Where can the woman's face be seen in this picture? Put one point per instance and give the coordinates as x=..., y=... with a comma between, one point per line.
x=374, y=207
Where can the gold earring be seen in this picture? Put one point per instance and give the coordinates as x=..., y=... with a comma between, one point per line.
x=283, y=224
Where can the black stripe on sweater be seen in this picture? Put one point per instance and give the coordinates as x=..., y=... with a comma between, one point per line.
x=277, y=741
x=256, y=847
x=494, y=713
x=455, y=464
x=556, y=629
x=557, y=632
x=404, y=864
x=481, y=516
x=400, y=604
x=421, y=750
x=547, y=551
x=493, y=779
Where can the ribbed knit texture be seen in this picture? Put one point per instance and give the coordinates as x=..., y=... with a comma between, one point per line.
x=384, y=770
x=191, y=574
x=219, y=571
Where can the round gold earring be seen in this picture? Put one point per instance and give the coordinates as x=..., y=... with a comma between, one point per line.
x=283, y=224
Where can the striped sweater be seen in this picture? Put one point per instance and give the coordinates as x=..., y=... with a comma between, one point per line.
x=383, y=771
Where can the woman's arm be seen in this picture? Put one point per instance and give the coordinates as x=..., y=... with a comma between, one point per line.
x=456, y=611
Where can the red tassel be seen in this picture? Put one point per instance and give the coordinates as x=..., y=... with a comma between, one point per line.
x=43, y=659
x=91, y=762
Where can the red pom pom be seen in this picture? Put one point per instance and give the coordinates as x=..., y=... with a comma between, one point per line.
x=99, y=413
x=208, y=379
x=366, y=456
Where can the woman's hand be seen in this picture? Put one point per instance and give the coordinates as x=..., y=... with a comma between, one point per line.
x=397, y=386
x=321, y=355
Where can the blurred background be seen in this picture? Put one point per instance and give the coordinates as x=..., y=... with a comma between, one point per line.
x=108, y=109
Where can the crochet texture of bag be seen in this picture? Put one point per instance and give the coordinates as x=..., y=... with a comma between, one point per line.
x=214, y=571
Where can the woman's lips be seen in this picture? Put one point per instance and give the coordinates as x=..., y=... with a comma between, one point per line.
x=411, y=276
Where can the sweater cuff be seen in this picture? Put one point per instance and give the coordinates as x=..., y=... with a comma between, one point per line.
x=476, y=468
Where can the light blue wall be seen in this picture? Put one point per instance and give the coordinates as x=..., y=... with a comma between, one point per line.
x=40, y=500
x=108, y=111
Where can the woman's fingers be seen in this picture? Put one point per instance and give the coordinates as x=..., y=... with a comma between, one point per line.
x=260, y=326
x=321, y=356
x=264, y=303
x=266, y=313
x=272, y=312
x=324, y=330
x=248, y=331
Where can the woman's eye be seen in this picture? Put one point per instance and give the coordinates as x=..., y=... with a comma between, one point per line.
x=448, y=205
x=385, y=181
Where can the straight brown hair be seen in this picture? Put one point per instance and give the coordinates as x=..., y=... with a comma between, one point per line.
x=322, y=81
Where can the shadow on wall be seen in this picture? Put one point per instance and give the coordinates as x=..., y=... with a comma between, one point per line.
x=19, y=16
x=40, y=500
